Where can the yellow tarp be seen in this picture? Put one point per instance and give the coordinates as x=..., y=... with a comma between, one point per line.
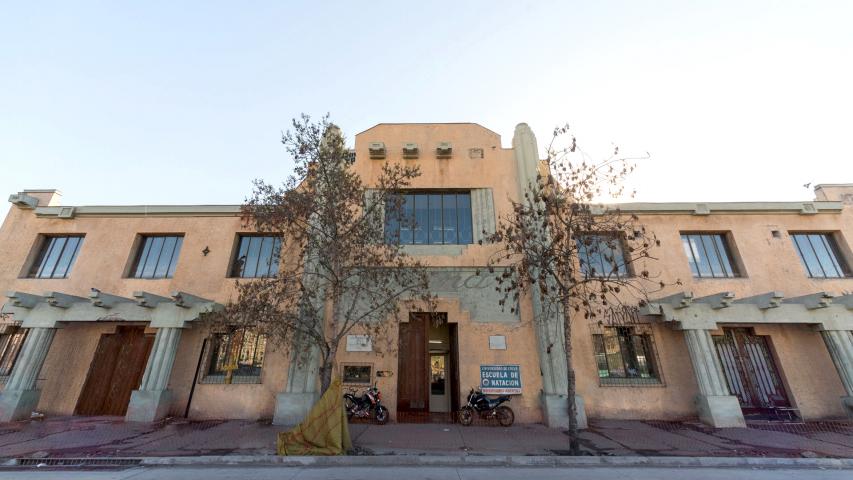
x=324, y=432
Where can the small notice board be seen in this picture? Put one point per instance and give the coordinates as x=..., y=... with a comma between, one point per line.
x=500, y=379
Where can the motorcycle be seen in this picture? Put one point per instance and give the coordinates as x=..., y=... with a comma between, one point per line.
x=487, y=408
x=367, y=405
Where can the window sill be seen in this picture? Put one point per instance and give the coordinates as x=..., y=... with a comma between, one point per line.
x=235, y=380
x=629, y=382
x=721, y=278
x=451, y=250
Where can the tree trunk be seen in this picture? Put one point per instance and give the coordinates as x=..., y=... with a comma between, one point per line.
x=574, y=441
x=326, y=369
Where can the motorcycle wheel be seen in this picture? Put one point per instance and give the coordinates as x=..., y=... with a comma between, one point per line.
x=505, y=416
x=381, y=415
x=349, y=407
x=466, y=416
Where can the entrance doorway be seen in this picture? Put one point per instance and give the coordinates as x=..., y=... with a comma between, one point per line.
x=116, y=370
x=751, y=374
x=428, y=370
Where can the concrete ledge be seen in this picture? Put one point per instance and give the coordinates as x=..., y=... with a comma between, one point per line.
x=18, y=404
x=555, y=411
x=489, y=461
x=720, y=411
x=291, y=408
x=148, y=405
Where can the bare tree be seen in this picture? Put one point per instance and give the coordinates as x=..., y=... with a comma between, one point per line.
x=579, y=257
x=337, y=274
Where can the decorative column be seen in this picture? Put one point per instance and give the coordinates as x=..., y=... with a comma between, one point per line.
x=301, y=393
x=153, y=399
x=549, y=324
x=840, y=346
x=716, y=406
x=20, y=396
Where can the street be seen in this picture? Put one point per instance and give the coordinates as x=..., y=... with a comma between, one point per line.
x=432, y=473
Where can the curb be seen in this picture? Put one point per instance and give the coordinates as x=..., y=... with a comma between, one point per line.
x=470, y=461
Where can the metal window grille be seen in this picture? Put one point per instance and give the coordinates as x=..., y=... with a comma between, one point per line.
x=820, y=255
x=257, y=256
x=10, y=346
x=626, y=356
x=158, y=256
x=709, y=255
x=56, y=257
x=239, y=352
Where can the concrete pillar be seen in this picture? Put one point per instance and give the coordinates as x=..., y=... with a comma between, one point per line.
x=715, y=405
x=549, y=323
x=301, y=392
x=840, y=346
x=20, y=396
x=151, y=402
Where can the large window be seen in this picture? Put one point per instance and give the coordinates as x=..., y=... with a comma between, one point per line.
x=820, y=255
x=709, y=255
x=157, y=257
x=625, y=356
x=429, y=218
x=10, y=346
x=236, y=356
x=601, y=255
x=56, y=257
x=257, y=256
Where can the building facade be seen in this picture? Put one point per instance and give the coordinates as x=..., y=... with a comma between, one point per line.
x=104, y=307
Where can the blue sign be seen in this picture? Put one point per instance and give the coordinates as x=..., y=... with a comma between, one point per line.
x=500, y=379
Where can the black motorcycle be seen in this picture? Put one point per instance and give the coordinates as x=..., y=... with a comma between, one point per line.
x=487, y=408
x=367, y=405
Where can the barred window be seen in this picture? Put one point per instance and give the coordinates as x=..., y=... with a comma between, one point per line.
x=56, y=256
x=157, y=256
x=625, y=356
x=257, y=256
x=429, y=218
x=237, y=356
x=10, y=346
x=601, y=255
x=820, y=255
x=709, y=255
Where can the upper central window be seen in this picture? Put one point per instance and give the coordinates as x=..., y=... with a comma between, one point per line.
x=158, y=256
x=424, y=218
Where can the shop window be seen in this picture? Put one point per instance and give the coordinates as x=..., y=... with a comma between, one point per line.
x=820, y=255
x=236, y=357
x=10, y=346
x=56, y=256
x=358, y=374
x=626, y=356
x=601, y=255
x=157, y=256
x=422, y=218
x=709, y=255
x=257, y=256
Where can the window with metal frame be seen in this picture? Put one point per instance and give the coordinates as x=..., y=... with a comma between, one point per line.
x=257, y=256
x=236, y=357
x=820, y=255
x=601, y=255
x=709, y=255
x=626, y=356
x=430, y=217
x=56, y=256
x=358, y=374
x=157, y=256
x=10, y=346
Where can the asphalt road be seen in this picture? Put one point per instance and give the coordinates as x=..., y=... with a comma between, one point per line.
x=431, y=473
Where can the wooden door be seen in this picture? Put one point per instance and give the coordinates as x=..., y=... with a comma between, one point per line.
x=116, y=370
x=750, y=371
x=413, y=365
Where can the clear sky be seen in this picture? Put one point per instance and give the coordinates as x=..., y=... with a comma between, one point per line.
x=183, y=102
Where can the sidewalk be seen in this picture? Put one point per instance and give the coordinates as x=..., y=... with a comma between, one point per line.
x=112, y=437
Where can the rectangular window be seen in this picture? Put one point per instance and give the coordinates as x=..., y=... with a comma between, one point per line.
x=56, y=256
x=10, y=346
x=601, y=256
x=236, y=356
x=257, y=256
x=625, y=356
x=820, y=255
x=709, y=255
x=360, y=374
x=437, y=218
x=158, y=256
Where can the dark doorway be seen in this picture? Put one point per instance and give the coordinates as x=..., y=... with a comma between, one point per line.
x=428, y=371
x=116, y=370
x=751, y=374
